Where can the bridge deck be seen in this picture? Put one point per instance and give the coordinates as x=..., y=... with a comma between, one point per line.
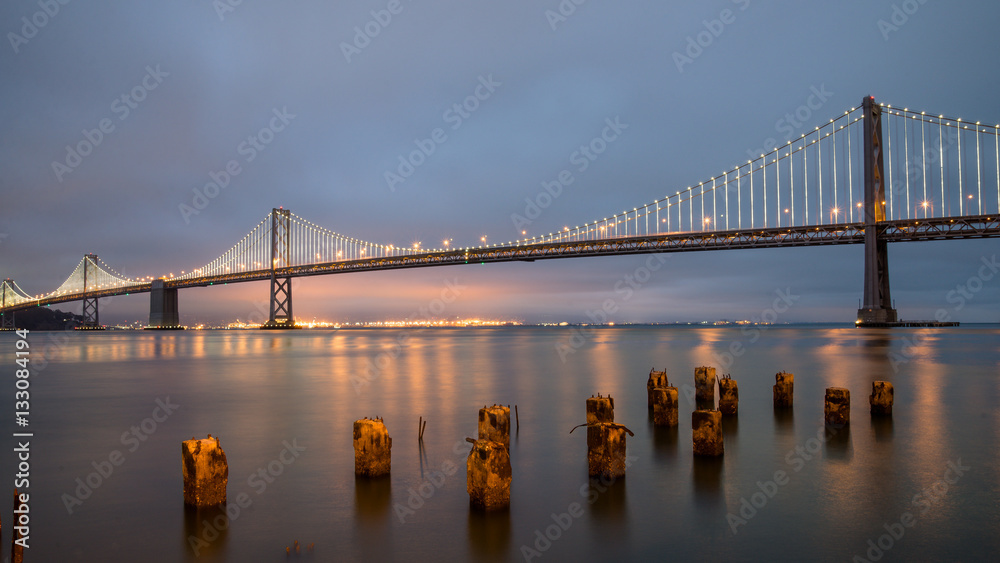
x=981, y=226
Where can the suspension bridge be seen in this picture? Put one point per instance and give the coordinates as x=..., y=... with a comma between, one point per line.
x=873, y=175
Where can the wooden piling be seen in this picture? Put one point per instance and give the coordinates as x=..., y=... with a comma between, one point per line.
x=704, y=384
x=600, y=409
x=784, y=387
x=881, y=398
x=494, y=424
x=837, y=407
x=665, y=406
x=657, y=379
x=206, y=471
x=372, y=448
x=729, y=395
x=488, y=474
x=706, y=432
x=606, y=450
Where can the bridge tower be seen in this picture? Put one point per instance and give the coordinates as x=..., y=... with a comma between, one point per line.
x=877, y=306
x=281, y=254
x=6, y=318
x=91, y=314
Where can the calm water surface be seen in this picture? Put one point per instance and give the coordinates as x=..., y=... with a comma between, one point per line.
x=937, y=459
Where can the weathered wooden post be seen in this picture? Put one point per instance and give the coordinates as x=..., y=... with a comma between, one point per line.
x=881, y=398
x=837, y=407
x=706, y=432
x=605, y=439
x=488, y=474
x=729, y=395
x=206, y=471
x=657, y=379
x=704, y=385
x=606, y=450
x=600, y=409
x=372, y=448
x=784, y=387
x=664, y=406
x=494, y=424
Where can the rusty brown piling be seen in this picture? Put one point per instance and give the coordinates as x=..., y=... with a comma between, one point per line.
x=657, y=379
x=784, y=387
x=488, y=474
x=706, y=432
x=881, y=398
x=206, y=471
x=606, y=450
x=372, y=448
x=665, y=406
x=729, y=395
x=494, y=424
x=837, y=407
x=704, y=385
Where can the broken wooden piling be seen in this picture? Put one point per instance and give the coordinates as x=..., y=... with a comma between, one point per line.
x=372, y=448
x=206, y=471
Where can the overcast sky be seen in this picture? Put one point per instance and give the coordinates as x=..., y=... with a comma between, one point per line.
x=346, y=88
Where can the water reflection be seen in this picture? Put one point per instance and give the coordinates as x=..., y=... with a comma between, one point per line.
x=372, y=498
x=882, y=428
x=665, y=443
x=489, y=534
x=206, y=530
x=707, y=474
x=784, y=422
x=608, y=507
x=838, y=443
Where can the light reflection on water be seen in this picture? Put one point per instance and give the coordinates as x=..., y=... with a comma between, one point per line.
x=257, y=390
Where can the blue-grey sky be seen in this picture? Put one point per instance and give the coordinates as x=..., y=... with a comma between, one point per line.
x=178, y=87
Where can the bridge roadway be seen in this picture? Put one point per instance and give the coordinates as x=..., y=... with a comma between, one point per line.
x=981, y=226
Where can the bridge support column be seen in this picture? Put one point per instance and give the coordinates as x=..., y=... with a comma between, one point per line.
x=6, y=318
x=281, y=287
x=91, y=312
x=877, y=307
x=163, y=313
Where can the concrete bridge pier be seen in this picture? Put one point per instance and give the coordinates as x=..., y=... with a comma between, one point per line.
x=163, y=313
